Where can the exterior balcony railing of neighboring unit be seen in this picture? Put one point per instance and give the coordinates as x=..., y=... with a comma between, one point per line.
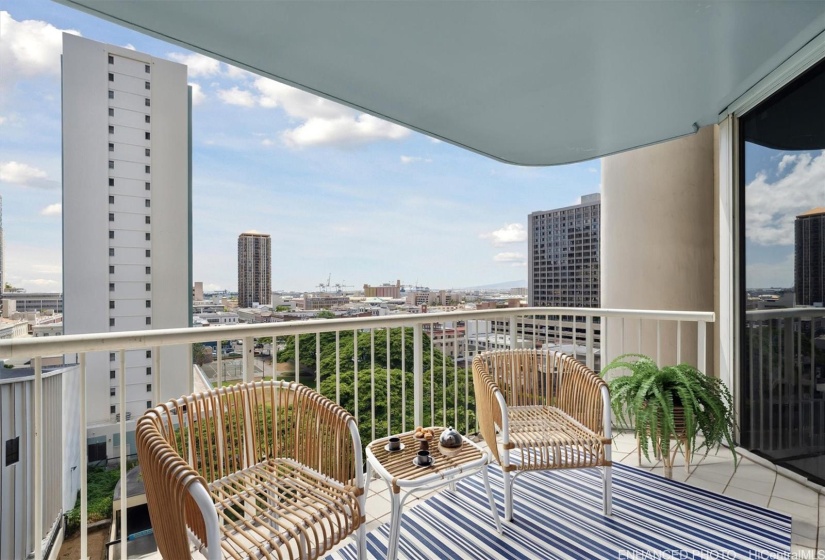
x=383, y=369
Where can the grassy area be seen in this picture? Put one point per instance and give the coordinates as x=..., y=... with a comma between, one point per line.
x=101, y=485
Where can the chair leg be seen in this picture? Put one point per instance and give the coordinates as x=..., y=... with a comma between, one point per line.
x=509, y=479
x=361, y=537
x=607, y=490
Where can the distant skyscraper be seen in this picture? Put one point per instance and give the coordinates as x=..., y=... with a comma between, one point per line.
x=254, y=269
x=126, y=217
x=809, y=257
x=564, y=255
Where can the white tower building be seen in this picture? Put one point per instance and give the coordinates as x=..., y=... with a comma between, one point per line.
x=126, y=221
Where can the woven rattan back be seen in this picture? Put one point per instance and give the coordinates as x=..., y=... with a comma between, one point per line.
x=529, y=377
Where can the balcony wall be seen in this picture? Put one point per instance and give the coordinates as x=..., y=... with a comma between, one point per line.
x=659, y=202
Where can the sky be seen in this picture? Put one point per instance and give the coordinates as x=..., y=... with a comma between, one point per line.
x=779, y=185
x=344, y=195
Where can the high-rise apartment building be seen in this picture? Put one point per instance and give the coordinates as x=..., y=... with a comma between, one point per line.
x=564, y=255
x=126, y=219
x=809, y=257
x=254, y=269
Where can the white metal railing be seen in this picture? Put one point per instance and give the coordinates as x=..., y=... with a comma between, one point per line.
x=417, y=361
x=783, y=382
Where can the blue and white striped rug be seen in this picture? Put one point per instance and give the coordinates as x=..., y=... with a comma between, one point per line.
x=558, y=515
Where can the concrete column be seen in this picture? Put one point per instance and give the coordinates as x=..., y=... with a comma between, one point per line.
x=657, y=244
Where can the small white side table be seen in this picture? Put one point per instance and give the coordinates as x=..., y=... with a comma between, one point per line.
x=403, y=478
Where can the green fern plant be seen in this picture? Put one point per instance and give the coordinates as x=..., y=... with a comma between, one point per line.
x=649, y=395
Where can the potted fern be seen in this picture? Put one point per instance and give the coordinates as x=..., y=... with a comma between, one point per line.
x=672, y=402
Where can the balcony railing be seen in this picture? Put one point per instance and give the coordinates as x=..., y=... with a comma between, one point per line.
x=392, y=372
x=782, y=386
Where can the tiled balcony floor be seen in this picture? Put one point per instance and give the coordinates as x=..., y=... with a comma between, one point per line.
x=751, y=482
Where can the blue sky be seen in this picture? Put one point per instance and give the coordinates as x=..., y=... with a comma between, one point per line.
x=341, y=193
x=780, y=185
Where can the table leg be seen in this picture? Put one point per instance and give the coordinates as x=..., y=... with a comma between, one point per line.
x=492, y=501
x=367, y=479
x=395, y=526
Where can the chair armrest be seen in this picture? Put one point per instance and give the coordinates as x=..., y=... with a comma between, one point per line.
x=491, y=408
x=175, y=493
x=335, y=446
x=582, y=394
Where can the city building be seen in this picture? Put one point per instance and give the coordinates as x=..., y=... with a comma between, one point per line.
x=809, y=257
x=25, y=302
x=254, y=269
x=384, y=290
x=564, y=255
x=316, y=302
x=217, y=318
x=126, y=222
x=197, y=291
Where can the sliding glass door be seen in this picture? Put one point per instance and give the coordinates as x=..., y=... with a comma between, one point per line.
x=782, y=280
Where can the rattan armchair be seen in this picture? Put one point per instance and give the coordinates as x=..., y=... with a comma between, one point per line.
x=542, y=410
x=257, y=470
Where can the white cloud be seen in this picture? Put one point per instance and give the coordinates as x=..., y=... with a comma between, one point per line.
x=324, y=122
x=267, y=142
x=21, y=173
x=42, y=283
x=786, y=160
x=343, y=132
x=52, y=210
x=33, y=267
x=29, y=47
x=514, y=259
x=3, y=120
x=129, y=46
x=198, y=96
x=406, y=160
x=772, y=207
x=237, y=96
x=198, y=64
x=511, y=233
x=235, y=73
x=297, y=103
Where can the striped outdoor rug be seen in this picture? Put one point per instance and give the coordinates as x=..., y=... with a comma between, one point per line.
x=558, y=515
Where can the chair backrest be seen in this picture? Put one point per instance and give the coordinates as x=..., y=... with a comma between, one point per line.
x=225, y=430
x=530, y=377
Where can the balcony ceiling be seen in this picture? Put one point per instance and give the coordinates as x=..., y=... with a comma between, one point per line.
x=532, y=83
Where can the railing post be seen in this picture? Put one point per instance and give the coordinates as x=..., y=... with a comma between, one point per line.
x=787, y=348
x=219, y=379
x=513, y=332
x=249, y=356
x=590, y=358
x=317, y=362
x=37, y=453
x=418, y=374
x=298, y=358
x=124, y=493
x=84, y=461
x=156, y=375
